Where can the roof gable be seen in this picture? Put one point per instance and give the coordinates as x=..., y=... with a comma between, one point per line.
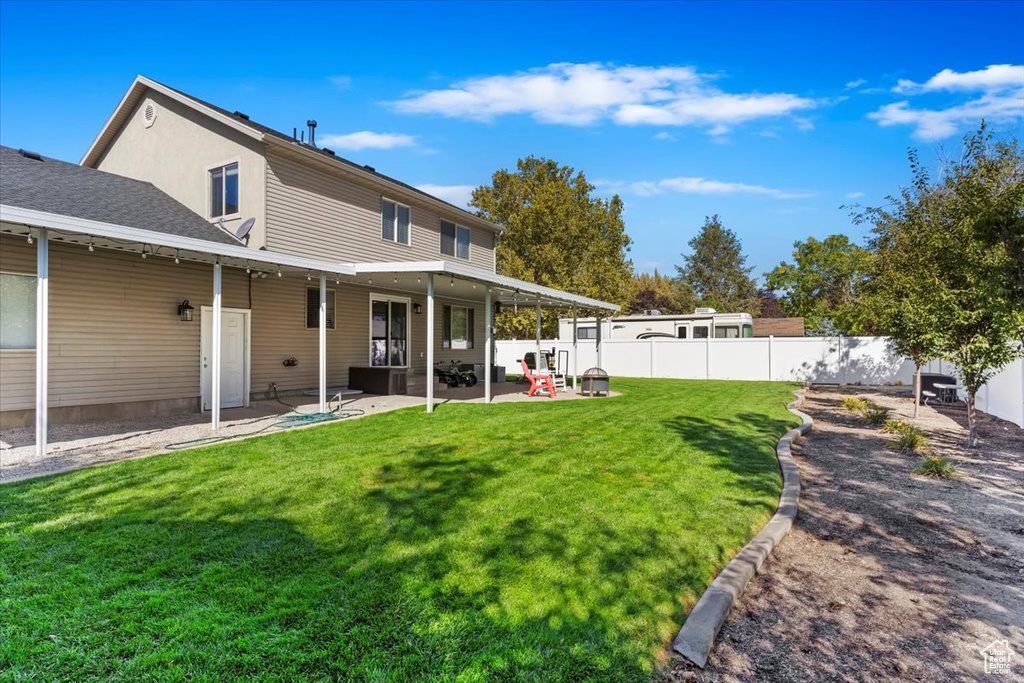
x=258, y=131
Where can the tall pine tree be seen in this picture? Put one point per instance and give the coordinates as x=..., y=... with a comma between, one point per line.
x=716, y=270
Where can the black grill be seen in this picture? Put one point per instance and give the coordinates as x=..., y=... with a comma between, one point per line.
x=594, y=382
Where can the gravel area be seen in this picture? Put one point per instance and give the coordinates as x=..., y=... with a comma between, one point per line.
x=76, y=446
x=886, y=575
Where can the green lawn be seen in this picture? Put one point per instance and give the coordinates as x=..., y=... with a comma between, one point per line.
x=534, y=541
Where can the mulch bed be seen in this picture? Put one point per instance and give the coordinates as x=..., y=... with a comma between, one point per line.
x=886, y=575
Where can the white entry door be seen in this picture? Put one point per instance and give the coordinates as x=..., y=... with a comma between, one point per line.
x=234, y=357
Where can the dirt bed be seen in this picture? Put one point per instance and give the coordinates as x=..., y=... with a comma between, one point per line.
x=886, y=575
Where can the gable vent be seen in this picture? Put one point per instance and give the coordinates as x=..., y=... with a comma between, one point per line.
x=149, y=114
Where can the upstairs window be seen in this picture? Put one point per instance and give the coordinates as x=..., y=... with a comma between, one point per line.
x=394, y=222
x=458, y=327
x=454, y=240
x=313, y=308
x=224, y=191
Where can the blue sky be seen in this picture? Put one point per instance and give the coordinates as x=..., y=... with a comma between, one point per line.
x=770, y=114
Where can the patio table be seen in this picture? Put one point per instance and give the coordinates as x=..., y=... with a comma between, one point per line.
x=950, y=393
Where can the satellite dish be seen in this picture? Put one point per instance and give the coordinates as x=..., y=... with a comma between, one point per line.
x=243, y=230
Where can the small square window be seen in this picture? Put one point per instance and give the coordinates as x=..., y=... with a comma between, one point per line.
x=313, y=308
x=455, y=240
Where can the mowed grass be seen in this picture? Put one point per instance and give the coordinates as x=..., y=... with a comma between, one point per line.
x=542, y=541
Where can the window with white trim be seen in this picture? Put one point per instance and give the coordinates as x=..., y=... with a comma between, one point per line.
x=458, y=328
x=394, y=221
x=224, y=191
x=313, y=308
x=454, y=240
x=17, y=311
x=389, y=331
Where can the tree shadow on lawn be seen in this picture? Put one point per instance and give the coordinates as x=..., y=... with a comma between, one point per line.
x=408, y=581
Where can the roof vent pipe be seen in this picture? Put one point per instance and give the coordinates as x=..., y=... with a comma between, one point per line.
x=312, y=131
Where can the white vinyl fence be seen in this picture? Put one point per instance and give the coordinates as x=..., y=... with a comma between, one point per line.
x=824, y=360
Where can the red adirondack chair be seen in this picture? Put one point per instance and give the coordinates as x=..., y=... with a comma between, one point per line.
x=539, y=382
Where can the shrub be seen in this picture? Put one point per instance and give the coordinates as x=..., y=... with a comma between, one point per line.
x=875, y=415
x=856, y=404
x=935, y=467
x=909, y=439
x=895, y=427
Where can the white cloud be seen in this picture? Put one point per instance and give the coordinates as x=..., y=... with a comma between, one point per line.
x=803, y=123
x=342, y=82
x=665, y=136
x=365, y=139
x=685, y=185
x=993, y=77
x=850, y=85
x=459, y=195
x=586, y=94
x=854, y=195
x=1000, y=97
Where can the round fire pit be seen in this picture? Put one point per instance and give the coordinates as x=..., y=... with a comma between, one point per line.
x=594, y=382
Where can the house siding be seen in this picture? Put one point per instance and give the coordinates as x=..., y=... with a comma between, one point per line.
x=115, y=335
x=322, y=211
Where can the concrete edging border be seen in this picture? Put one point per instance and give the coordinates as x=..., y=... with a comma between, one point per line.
x=697, y=636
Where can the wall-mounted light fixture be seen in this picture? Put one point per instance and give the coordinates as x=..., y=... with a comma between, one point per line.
x=417, y=308
x=185, y=311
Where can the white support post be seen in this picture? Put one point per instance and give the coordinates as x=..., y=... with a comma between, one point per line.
x=536, y=361
x=430, y=343
x=323, y=343
x=215, y=346
x=598, y=341
x=707, y=354
x=42, y=339
x=771, y=356
x=575, y=355
x=489, y=349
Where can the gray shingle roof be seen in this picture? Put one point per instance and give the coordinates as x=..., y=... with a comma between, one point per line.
x=70, y=190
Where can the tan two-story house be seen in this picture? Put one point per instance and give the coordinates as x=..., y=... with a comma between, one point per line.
x=325, y=273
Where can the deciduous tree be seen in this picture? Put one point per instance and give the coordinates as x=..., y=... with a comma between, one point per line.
x=823, y=283
x=557, y=235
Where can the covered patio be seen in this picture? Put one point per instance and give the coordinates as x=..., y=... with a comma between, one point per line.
x=432, y=279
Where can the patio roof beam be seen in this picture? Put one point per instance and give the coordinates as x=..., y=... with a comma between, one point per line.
x=215, y=350
x=42, y=339
x=323, y=342
x=489, y=348
x=546, y=296
x=430, y=343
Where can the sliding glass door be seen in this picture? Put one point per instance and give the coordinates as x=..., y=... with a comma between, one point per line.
x=389, y=331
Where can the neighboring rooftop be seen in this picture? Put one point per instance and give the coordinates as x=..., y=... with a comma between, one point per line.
x=31, y=181
x=240, y=120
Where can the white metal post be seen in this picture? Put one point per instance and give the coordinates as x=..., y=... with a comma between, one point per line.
x=575, y=356
x=707, y=354
x=489, y=351
x=42, y=339
x=323, y=343
x=771, y=344
x=215, y=355
x=598, y=341
x=536, y=361
x=430, y=343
